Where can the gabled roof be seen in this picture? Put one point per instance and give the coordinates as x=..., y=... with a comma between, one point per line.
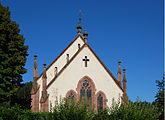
x=108, y=71
x=62, y=53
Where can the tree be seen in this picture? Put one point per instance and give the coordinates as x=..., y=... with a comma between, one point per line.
x=159, y=101
x=23, y=96
x=13, y=55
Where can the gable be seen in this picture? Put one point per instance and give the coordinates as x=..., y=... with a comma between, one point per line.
x=72, y=72
x=60, y=61
x=91, y=53
x=104, y=66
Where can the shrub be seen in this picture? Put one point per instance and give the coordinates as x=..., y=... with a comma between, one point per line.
x=65, y=110
x=134, y=111
x=72, y=111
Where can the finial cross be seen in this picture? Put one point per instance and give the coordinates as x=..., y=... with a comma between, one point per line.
x=80, y=17
x=86, y=60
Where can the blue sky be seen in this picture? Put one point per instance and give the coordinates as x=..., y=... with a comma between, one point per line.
x=129, y=30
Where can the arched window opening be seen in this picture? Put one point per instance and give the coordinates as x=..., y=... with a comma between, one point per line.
x=100, y=102
x=71, y=95
x=86, y=92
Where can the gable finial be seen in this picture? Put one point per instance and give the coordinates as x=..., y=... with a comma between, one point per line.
x=119, y=73
x=44, y=72
x=85, y=36
x=119, y=62
x=79, y=27
x=124, y=76
x=35, y=61
x=44, y=64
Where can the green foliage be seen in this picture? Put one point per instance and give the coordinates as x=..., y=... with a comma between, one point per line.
x=78, y=111
x=13, y=55
x=23, y=96
x=16, y=113
x=72, y=111
x=135, y=111
x=159, y=101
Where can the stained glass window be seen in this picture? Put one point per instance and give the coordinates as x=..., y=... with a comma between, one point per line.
x=86, y=92
x=82, y=94
x=89, y=96
x=99, y=102
x=71, y=96
x=85, y=83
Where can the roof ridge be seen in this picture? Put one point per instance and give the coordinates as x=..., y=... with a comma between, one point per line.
x=65, y=66
x=62, y=53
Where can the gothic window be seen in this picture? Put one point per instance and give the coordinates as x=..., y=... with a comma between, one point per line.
x=85, y=92
x=71, y=95
x=100, y=102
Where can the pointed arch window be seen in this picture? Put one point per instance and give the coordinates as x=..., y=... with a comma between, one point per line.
x=71, y=95
x=83, y=91
x=100, y=102
x=86, y=90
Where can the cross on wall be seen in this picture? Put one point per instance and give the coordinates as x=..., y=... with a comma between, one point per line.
x=86, y=60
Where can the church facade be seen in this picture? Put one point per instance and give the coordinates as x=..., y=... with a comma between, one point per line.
x=77, y=73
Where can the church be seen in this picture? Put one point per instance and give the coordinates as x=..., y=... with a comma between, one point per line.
x=77, y=73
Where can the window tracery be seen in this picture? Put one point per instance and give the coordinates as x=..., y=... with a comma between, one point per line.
x=86, y=91
x=71, y=96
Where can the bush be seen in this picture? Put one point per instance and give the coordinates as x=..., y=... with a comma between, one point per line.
x=135, y=111
x=72, y=111
x=79, y=111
